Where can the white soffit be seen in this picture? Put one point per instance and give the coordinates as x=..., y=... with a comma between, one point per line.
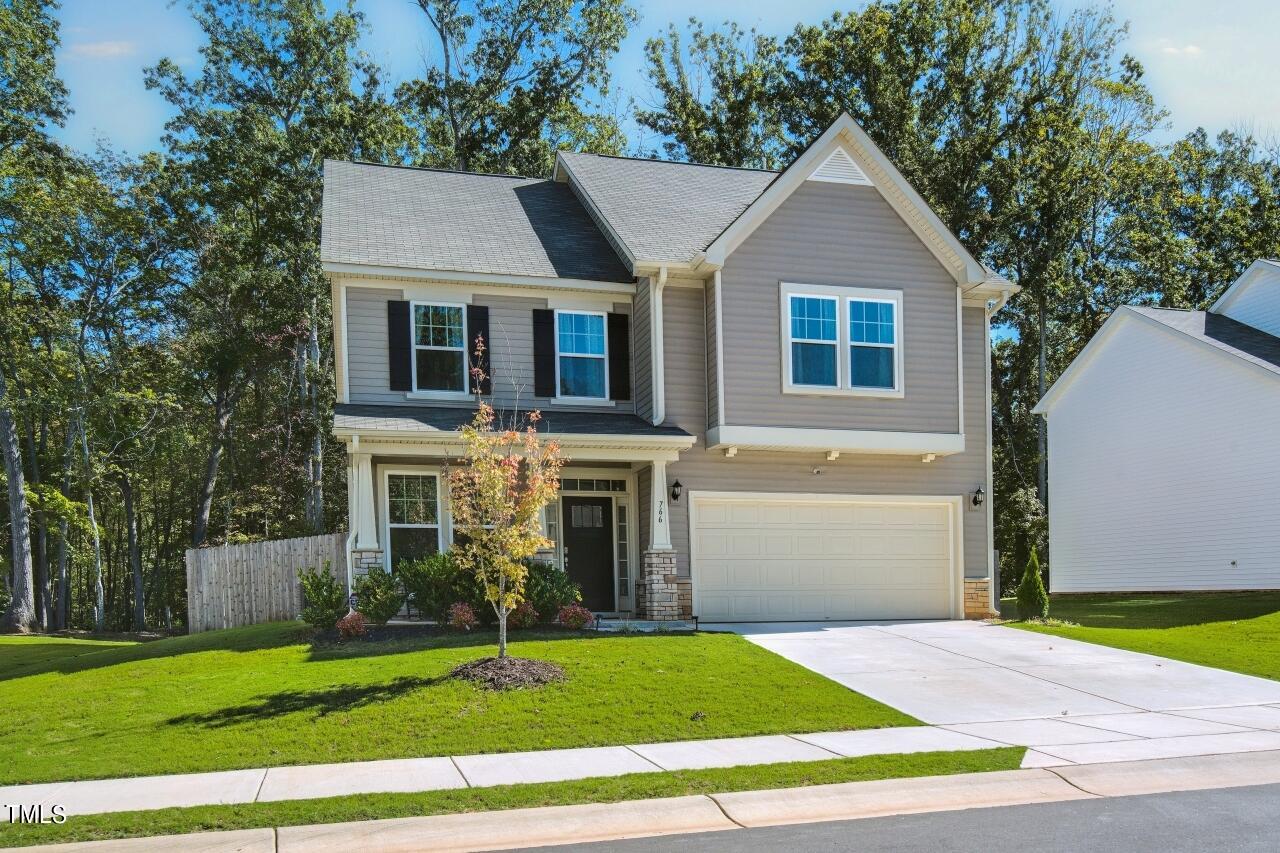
x=839, y=168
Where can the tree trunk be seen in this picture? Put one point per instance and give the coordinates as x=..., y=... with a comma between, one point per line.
x=22, y=610
x=1042, y=441
x=62, y=608
x=222, y=409
x=135, y=556
x=502, y=617
x=43, y=594
x=99, y=603
x=315, y=460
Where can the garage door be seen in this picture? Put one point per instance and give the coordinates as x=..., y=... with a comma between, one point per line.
x=778, y=559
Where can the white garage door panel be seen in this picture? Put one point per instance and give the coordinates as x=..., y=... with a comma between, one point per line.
x=773, y=559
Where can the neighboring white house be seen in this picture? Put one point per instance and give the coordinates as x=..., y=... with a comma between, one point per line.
x=1164, y=438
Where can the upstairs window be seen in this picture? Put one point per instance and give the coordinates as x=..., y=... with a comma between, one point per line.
x=822, y=322
x=581, y=362
x=439, y=347
x=813, y=341
x=872, y=344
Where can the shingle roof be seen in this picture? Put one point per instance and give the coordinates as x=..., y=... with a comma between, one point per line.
x=1232, y=336
x=357, y=417
x=428, y=219
x=663, y=210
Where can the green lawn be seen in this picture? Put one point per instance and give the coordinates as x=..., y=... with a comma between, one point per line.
x=263, y=696
x=1235, y=631
x=601, y=790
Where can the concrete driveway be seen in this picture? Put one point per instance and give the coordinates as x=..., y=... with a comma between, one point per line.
x=1073, y=701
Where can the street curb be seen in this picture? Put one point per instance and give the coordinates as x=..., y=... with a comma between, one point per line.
x=540, y=827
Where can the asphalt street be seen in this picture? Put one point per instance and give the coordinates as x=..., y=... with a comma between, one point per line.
x=1228, y=819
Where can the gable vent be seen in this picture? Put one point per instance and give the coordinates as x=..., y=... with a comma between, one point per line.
x=839, y=168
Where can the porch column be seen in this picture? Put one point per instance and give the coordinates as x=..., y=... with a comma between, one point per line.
x=360, y=494
x=658, y=594
x=659, y=523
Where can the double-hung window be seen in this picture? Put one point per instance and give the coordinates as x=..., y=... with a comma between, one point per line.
x=814, y=348
x=582, y=371
x=413, y=516
x=439, y=347
x=872, y=343
x=842, y=340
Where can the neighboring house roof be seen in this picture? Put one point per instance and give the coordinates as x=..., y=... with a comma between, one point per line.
x=1230, y=336
x=1258, y=270
x=428, y=219
x=663, y=210
x=352, y=417
x=1206, y=328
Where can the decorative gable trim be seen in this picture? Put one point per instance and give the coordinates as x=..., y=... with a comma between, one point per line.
x=882, y=174
x=839, y=168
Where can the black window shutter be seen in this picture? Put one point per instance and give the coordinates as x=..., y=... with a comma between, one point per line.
x=399, y=346
x=544, y=353
x=619, y=357
x=478, y=327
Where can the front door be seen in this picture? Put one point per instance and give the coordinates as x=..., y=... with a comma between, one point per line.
x=588, y=549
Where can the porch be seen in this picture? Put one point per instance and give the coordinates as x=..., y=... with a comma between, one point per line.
x=609, y=527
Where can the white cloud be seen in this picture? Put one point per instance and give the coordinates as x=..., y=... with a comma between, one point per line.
x=1184, y=50
x=101, y=49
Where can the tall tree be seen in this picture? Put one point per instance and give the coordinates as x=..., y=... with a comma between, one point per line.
x=716, y=102
x=32, y=100
x=283, y=87
x=510, y=80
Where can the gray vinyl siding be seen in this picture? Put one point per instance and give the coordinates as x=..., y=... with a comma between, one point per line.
x=684, y=358
x=511, y=351
x=641, y=352
x=867, y=474
x=841, y=235
x=712, y=379
x=367, y=360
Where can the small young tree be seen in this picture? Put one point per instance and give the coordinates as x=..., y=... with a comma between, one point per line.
x=497, y=491
x=1033, y=601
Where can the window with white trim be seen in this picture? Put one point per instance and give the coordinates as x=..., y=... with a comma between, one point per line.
x=842, y=340
x=872, y=343
x=814, y=345
x=413, y=516
x=439, y=347
x=582, y=369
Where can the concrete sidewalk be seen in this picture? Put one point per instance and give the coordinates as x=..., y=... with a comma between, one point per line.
x=1051, y=742
x=723, y=812
x=311, y=781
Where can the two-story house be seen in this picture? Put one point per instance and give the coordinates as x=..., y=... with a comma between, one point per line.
x=772, y=388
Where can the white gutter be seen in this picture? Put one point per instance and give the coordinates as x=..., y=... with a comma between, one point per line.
x=656, y=287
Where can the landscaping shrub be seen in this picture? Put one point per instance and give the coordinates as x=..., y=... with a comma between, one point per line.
x=524, y=616
x=323, y=600
x=378, y=595
x=575, y=617
x=5, y=597
x=352, y=626
x=461, y=617
x=549, y=588
x=436, y=582
x=1033, y=601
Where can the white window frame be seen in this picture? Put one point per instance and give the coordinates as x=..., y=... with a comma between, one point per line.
x=895, y=346
x=442, y=515
x=843, y=295
x=583, y=401
x=790, y=339
x=427, y=393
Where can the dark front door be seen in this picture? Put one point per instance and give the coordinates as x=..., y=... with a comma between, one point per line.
x=588, y=549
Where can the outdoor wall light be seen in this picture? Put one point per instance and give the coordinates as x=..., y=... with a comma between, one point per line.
x=676, y=490
x=979, y=496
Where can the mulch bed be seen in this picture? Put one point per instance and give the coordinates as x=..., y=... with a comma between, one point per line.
x=509, y=673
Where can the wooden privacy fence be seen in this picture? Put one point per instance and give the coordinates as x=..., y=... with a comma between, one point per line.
x=229, y=586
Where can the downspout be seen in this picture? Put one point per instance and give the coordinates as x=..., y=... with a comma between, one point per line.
x=352, y=474
x=655, y=345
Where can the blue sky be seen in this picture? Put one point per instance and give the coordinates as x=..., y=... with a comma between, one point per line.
x=1216, y=71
